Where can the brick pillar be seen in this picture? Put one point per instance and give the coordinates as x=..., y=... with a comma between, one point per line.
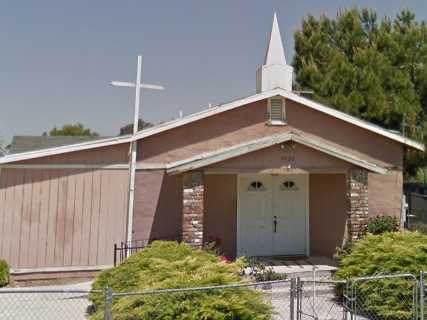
x=357, y=195
x=193, y=208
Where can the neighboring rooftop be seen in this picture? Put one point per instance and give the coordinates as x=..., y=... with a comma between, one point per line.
x=31, y=143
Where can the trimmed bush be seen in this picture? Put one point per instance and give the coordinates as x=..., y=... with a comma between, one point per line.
x=382, y=224
x=4, y=273
x=165, y=264
x=387, y=253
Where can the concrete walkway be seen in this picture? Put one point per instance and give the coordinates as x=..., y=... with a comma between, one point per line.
x=45, y=302
x=301, y=266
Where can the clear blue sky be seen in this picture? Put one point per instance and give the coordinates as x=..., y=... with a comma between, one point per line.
x=57, y=57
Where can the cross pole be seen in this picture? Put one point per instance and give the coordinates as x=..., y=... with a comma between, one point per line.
x=132, y=165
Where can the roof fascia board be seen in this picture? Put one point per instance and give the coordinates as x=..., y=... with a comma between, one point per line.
x=236, y=151
x=65, y=149
x=327, y=149
x=206, y=159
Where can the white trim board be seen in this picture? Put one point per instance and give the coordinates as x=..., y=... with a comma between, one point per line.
x=210, y=112
x=66, y=166
x=207, y=159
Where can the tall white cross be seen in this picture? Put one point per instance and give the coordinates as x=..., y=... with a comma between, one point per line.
x=132, y=168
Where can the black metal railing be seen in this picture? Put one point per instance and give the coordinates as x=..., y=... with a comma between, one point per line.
x=125, y=249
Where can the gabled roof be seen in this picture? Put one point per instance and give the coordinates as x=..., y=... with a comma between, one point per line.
x=65, y=149
x=210, y=158
x=31, y=143
x=288, y=95
x=211, y=112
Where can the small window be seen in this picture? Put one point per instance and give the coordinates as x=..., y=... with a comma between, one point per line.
x=276, y=111
x=288, y=186
x=256, y=186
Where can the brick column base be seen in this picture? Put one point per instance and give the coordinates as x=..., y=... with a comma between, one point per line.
x=357, y=195
x=193, y=209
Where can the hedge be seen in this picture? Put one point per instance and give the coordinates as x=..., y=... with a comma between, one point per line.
x=387, y=253
x=4, y=273
x=165, y=264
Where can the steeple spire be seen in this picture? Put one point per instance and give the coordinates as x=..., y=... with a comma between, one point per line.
x=275, y=53
x=274, y=73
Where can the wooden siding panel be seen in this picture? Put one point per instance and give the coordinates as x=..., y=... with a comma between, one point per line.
x=26, y=220
x=17, y=218
x=69, y=218
x=61, y=217
x=78, y=219
x=34, y=217
x=3, y=189
x=7, y=215
x=60, y=222
x=95, y=217
x=86, y=218
x=44, y=216
x=52, y=217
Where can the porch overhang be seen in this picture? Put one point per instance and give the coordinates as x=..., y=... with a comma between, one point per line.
x=206, y=159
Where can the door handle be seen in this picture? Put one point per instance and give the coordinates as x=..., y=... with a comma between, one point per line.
x=275, y=223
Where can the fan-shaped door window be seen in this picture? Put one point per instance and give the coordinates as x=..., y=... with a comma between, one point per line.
x=256, y=186
x=288, y=185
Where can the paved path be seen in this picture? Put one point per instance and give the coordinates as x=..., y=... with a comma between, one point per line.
x=32, y=303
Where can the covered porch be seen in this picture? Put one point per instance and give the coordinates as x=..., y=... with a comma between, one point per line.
x=281, y=196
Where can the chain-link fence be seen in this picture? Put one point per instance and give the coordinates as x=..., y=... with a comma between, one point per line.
x=385, y=297
x=276, y=294
x=27, y=304
x=320, y=300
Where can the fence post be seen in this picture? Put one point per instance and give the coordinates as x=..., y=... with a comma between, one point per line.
x=115, y=254
x=292, y=300
x=108, y=303
x=421, y=295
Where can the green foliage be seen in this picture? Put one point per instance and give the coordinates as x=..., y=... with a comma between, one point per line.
x=128, y=129
x=258, y=270
x=371, y=68
x=382, y=224
x=387, y=253
x=76, y=130
x=4, y=273
x=165, y=265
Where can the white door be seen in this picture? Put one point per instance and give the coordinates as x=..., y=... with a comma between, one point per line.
x=290, y=214
x=254, y=223
x=272, y=215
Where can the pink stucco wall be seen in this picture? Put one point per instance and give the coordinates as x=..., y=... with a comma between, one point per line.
x=250, y=122
x=385, y=194
x=289, y=154
x=328, y=213
x=158, y=206
x=220, y=220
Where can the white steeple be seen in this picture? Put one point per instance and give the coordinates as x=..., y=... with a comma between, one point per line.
x=274, y=73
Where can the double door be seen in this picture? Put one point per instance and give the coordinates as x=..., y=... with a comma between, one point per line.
x=272, y=215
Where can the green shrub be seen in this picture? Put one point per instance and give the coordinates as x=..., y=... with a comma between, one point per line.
x=382, y=224
x=4, y=273
x=164, y=265
x=387, y=253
